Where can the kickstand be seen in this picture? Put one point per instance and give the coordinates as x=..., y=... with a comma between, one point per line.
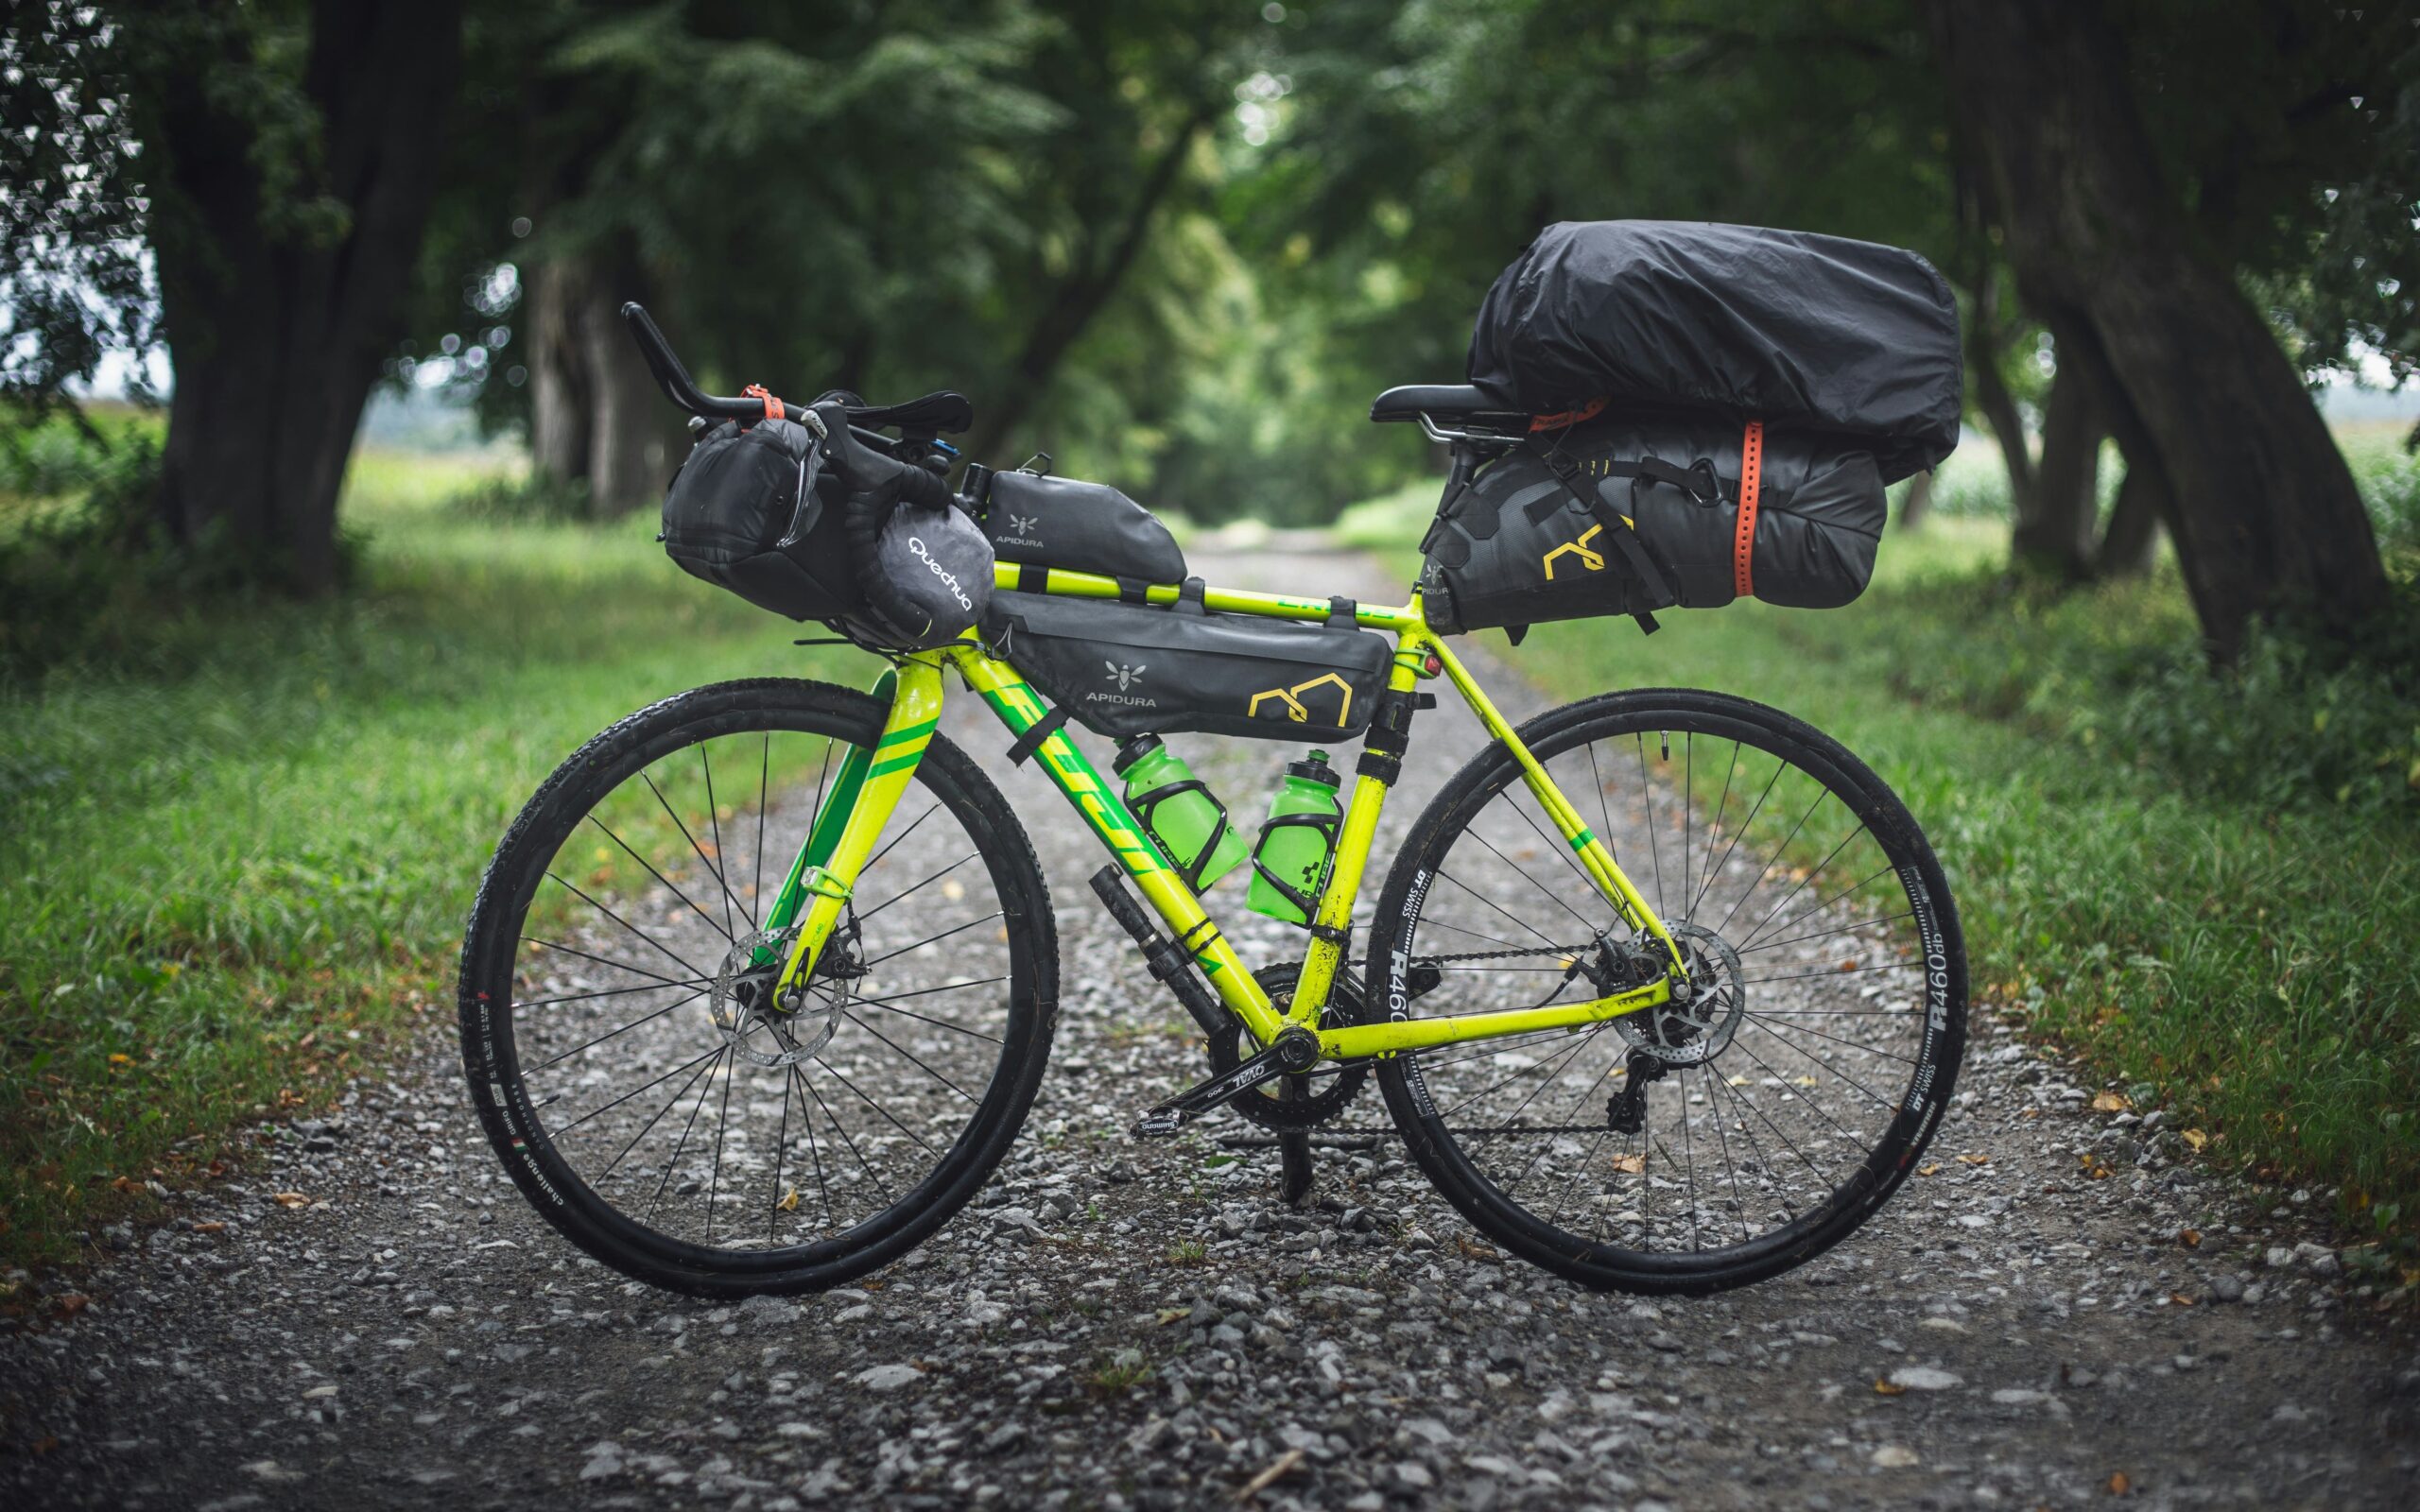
x=1294, y=1160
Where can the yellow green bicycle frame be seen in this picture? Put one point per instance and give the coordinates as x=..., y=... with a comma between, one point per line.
x=871, y=781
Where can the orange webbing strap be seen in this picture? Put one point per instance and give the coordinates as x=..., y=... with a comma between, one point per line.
x=1564, y=419
x=1743, y=551
x=773, y=405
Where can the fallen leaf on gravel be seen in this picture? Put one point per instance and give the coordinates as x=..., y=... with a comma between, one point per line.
x=1735, y=1081
x=2190, y=1238
x=213, y=1227
x=1806, y=1081
x=1472, y=1251
x=1933, y=1169
x=1888, y=1388
x=1894, y=1457
x=1170, y=1314
x=1635, y=1165
x=2194, y=1138
x=1261, y=1481
x=789, y=1201
x=1974, y=1159
x=2031, y=1113
x=2180, y=1298
x=289, y=1199
x=71, y=1304
x=2118, y=1484
x=2111, y=1103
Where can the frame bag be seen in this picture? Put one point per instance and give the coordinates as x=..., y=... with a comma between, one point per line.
x=1041, y=522
x=1128, y=669
x=1714, y=513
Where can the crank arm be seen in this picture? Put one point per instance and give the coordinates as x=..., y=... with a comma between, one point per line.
x=1294, y=1051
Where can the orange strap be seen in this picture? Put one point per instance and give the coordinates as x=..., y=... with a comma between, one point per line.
x=773, y=405
x=1566, y=417
x=1743, y=551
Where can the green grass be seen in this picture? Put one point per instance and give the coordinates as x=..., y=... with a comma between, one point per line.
x=237, y=855
x=2170, y=872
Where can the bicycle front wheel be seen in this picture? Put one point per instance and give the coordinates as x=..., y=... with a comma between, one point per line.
x=647, y=1100
x=1699, y=1145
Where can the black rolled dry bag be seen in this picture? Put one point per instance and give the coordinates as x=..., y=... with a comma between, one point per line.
x=1812, y=335
x=1720, y=512
x=1039, y=520
x=753, y=509
x=1127, y=669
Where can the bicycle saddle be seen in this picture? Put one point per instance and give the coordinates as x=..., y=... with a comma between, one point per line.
x=1440, y=401
x=943, y=410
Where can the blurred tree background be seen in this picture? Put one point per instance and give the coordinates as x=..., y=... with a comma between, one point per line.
x=1179, y=247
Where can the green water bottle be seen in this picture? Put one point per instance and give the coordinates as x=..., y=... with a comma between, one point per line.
x=1182, y=813
x=1289, y=867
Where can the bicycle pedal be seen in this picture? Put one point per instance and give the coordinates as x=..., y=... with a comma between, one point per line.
x=1161, y=1122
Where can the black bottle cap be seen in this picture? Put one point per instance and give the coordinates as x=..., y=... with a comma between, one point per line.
x=1133, y=752
x=1314, y=768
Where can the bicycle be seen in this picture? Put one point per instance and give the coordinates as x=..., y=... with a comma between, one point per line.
x=1586, y=1075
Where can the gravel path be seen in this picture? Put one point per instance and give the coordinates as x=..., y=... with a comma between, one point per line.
x=2065, y=1308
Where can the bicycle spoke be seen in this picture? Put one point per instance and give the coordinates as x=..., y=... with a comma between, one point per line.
x=669, y=1102
x=1836, y=1040
x=633, y=1093
x=1492, y=903
x=723, y=1128
x=1714, y=834
x=660, y=877
x=677, y=1150
x=781, y=1149
x=841, y=1129
x=722, y=862
x=1647, y=797
x=813, y=1150
x=657, y=986
x=657, y=945
x=911, y=1056
x=624, y=1029
x=926, y=883
x=1558, y=900
x=764, y=791
x=933, y=940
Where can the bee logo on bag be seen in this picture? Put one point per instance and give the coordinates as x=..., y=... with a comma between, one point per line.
x=1291, y=700
x=1124, y=677
x=1589, y=560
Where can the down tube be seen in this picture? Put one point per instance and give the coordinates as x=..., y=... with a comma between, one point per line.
x=1019, y=708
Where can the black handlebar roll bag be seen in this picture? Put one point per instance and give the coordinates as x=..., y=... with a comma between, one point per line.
x=753, y=509
x=828, y=528
x=1813, y=335
x=1720, y=510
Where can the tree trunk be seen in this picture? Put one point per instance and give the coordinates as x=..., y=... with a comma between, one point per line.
x=2054, y=528
x=1992, y=397
x=276, y=336
x=2128, y=543
x=2267, y=518
x=1916, y=502
x=1077, y=299
x=562, y=410
x=595, y=417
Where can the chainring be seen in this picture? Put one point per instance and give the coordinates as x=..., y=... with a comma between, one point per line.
x=1317, y=1096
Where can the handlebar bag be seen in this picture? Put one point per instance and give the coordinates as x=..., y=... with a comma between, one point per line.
x=1041, y=521
x=1812, y=335
x=750, y=510
x=1129, y=669
x=1532, y=537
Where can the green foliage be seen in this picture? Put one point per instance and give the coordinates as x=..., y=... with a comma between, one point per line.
x=233, y=859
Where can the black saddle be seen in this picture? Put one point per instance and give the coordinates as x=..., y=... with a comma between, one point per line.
x=1446, y=404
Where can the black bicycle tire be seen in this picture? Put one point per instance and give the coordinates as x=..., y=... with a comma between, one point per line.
x=1604, y=1266
x=494, y=933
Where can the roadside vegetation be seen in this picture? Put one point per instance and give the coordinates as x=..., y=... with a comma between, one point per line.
x=237, y=844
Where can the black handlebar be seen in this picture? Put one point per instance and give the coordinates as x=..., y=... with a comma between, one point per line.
x=674, y=379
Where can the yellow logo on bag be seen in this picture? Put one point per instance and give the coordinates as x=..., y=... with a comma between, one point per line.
x=1588, y=559
x=1294, y=710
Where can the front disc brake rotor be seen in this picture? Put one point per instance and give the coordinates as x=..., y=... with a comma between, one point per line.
x=1318, y=1095
x=741, y=1007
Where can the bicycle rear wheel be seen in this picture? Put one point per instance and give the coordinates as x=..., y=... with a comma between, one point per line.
x=644, y=1105
x=1696, y=1146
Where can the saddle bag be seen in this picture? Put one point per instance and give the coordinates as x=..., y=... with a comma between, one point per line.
x=1041, y=522
x=753, y=509
x=1123, y=669
x=1714, y=512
